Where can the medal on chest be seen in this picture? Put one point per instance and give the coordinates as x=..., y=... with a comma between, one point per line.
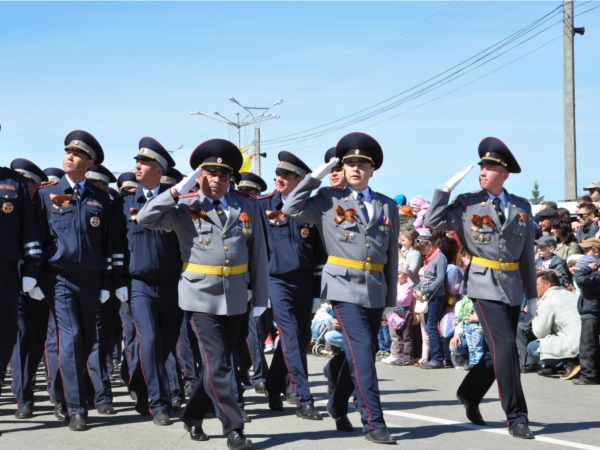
x=385, y=224
x=95, y=221
x=521, y=218
x=245, y=223
x=7, y=207
x=304, y=232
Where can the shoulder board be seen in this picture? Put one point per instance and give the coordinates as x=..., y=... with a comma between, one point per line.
x=386, y=197
x=262, y=197
x=48, y=184
x=126, y=193
x=524, y=200
x=469, y=195
x=190, y=195
x=241, y=194
x=330, y=189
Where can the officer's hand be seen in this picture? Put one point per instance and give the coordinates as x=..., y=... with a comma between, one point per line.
x=185, y=185
x=104, y=295
x=323, y=170
x=258, y=310
x=316, y=305
x=122, y=294
x=453, y=182
x=531, y=307
x=36, y=293
x=28, y=283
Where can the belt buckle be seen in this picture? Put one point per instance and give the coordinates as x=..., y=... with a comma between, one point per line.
x=368, y=267
x=502, y=267
x=226, y=271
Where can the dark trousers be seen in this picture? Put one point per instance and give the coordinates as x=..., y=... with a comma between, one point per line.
x=51, y=359
x=29, y=349
x=256, y=345
x=241, y=359
x=333, y=366
x=176, y=386
x=157, y=319
x=589, y=349
x=432, y=318
x=9, y=305
x=500, y=361
x=359, y=327
x=187, y=352
x=524, y=337
x=131, y=369
x=74, y=303
x=291, y=300
x=216, y=337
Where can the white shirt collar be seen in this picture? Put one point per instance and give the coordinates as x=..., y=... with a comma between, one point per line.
x=81, y=184
x=154, y=191
x=365, y=192
x=502, y=197
x=283, y=198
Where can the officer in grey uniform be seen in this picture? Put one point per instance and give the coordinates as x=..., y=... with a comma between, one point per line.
x=223, y=249
x=496, y=228
x=359, y=228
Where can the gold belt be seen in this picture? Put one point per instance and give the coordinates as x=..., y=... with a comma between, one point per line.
x=215, y=270
x=496, y=265
x=353, y=264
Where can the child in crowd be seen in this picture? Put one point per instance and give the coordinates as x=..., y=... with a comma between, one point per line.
x=424, y=336
x=587, y=278
x=571, y=262
x=432, y=289
x=401, y=330
x=413, y=258
x=547, y=260
x=419, y=206
x=472, y=331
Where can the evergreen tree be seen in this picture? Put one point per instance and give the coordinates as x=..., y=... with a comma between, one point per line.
x=536, y=199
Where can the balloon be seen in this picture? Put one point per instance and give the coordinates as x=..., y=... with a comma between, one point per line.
x=246, y=163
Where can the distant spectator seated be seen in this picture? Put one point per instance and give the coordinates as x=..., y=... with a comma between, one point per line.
x=566, y=242
x=594, y=193
x=588, y=227
x=587, y=278
x=556, y=326
x=321, y=321
x=547, y=260
x=548, y=204
x=544, y=216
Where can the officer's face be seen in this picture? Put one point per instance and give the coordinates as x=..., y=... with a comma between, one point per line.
x=76, y=163
x=214, y=184
x=357, y=174
x=336, y=177
x=285, y=183
x=147, y=172
x=32, y=186
x=100, y=185
x=492, y=178
x=252, y=193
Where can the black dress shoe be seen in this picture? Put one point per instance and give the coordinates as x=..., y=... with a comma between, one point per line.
x=176, y=405
x=473, y=413
x=380, y=436
x=309, y=412
x=24, y=412
x=521, y=431
x=582, y=381
x=237, y=441
x=133, y=395
x=245, y=415
x=530, y=368
x=61, y=412
x=546, y=371
x=196, y=433
x=77, y=423
x=189, y=390
x=52, y=400
x=141, y=404
x=259, y=388
x=275, y=403
x=343, y=424
x=106, y=409
x=161, y=418
x=291, y=398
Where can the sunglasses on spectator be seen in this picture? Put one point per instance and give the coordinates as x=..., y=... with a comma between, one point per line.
x=583, y=215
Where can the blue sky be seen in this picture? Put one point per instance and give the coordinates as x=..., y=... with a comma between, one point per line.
x=124, y=70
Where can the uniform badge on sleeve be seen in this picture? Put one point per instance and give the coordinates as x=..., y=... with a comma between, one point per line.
x=94, y=221
x=305, y=231
x=7, y=207
x=245, y=223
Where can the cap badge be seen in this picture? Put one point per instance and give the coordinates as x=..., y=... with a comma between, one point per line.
x=357, y=151
x=488, y=154
x=219, y=160
x=76, y=142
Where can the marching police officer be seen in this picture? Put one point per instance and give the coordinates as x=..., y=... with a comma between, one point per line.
x=33, y=313
x=336, y=175
x=127, y=182
x=496, y=228
x=360, y=233
x=77, y=268
x=54, y=174
x=146, y=265
x=171, y=176
x=293, y=248
x=222, y=252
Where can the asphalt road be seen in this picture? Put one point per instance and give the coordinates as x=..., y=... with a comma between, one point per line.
x=420, y=410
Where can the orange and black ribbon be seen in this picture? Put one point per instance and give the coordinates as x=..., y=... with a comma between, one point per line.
x=198, y=214
x=61, y=200
x=272, y=215
x=485, y=220
x=348, y=215
x=134, y=212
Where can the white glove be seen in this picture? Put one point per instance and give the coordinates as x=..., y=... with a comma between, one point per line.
x=316, y=305
x=185, y=185
x=122, y=294
x=28, y=283
x=249, y=294
x=531, y=307
x=453, y=182
x=387, y=311
x=36, y=293
x=104, y=295
x=258, y=310
x=323, y=170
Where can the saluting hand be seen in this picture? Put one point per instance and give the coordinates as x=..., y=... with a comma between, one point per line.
x=185, y=185
x=323, y=170
x=453, y=182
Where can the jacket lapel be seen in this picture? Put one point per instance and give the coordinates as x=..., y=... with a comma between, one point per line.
x=512, y=210
x=350, y=202
x=234, y=212
x=377, y=209
x=211, y=211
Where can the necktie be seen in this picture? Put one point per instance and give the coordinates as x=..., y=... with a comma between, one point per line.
x=220, y=212
x=150, y=195
x=77, y=191
x=496, y=203
x=360, y=199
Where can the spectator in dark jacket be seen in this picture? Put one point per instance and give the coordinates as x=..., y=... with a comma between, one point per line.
x=588, y=306
x=547, y=260
x=586, y=213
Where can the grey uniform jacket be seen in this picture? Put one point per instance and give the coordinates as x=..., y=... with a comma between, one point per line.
x=206, y=243
x=359, y=241
x=511, y=242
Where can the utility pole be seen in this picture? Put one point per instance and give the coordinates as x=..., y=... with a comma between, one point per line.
x=569, y=100
x=257, y=153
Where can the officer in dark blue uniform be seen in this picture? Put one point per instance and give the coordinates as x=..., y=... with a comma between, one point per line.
x=293, y=249
x=77, y=267
x=171, y=176
x=33, y=311
x=147, y=264
x=54, y=174
x=127, y=182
